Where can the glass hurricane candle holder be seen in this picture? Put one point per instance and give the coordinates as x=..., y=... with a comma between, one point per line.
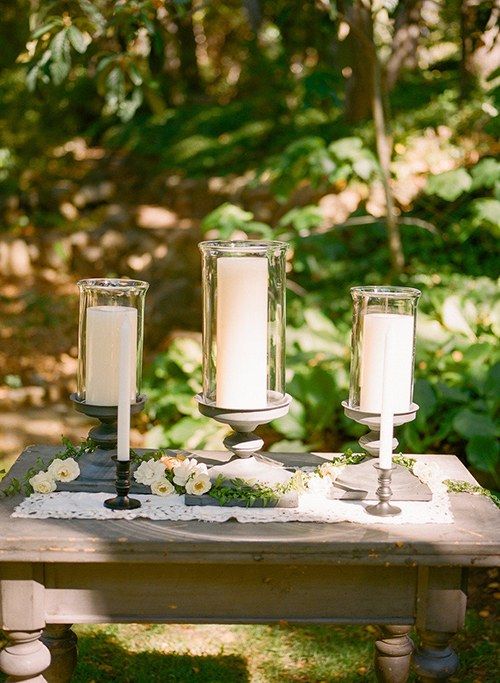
x=243, y=335
x=243, y=323
x=376, y=311
x=380, y=312
x=105, y=306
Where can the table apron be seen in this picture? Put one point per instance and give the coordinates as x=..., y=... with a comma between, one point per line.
x=229, y=593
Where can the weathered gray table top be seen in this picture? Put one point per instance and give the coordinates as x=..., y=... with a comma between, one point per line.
x=473, y=539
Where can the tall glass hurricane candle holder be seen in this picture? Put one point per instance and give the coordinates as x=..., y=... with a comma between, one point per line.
x=378, y=310
x=105, y=305
x=243, y=337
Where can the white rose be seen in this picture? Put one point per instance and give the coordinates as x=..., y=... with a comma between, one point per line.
x=162, y=487
x=201, y=468
x=149, y=471
x=64, y=470
x=43, y=482
x=184, y=470
x=198, y=484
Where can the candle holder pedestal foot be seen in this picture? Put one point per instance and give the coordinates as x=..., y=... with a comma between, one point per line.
x=371, y=442
x=384, y=493
x=122, y=501
x=105, y=433
x=242, y=442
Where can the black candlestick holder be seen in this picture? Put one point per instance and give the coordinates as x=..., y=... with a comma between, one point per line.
x=122, y=501
x=105, y=433
x=384, y=493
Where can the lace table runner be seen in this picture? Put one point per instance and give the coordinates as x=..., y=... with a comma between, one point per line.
x=314, y=506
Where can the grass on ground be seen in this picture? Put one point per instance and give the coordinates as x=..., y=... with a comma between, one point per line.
x=259, y=654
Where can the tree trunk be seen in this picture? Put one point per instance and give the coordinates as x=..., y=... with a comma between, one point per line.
x=359, y=86
x=405, y=42
x=254, y=13
x=187, y=52
x=384, y=152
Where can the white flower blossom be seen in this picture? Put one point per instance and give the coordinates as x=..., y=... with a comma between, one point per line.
x=162, y=487
x=200, y=468
x=43, y=482
x=184, y=470
x=149, y=471
x=329, y=469
x=64, y=470
x=319, y=485
x=198, y=484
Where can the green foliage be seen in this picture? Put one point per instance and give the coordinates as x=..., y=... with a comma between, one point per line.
x=171, y=384
x=311, y=159
x=449, y=185
x=228, y=219
x=69, y=451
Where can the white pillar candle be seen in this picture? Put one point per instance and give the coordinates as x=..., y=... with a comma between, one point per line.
x=375, y=327
x=102, y=353
x=387, y=409
x=124, y=384
x=241, y=359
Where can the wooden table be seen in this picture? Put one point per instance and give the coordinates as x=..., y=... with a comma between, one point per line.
x=55, y=572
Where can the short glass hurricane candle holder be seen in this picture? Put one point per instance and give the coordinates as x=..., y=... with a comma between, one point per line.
x=243, y=324
x=106, y=306
x=383, y=348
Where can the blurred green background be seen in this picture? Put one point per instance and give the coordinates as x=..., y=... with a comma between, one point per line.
x=363, y=133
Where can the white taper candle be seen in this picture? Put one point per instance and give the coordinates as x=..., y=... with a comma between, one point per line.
x=124, y=385
x=387, y=413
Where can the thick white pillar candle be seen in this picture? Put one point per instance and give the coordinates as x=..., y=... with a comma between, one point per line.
x=124, y=384
x=241, y=361
x=375, y=327
x=102, y=353
x=387, y=410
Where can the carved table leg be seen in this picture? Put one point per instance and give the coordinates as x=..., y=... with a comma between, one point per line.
x=393, y=654
x=434, y=659
x=25, y=657
x=62, y=643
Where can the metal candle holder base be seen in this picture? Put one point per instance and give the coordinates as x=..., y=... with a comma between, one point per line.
x=105, y=434
x=242, y=442
x=383, y=508
x=122, y=501
x=371, y=442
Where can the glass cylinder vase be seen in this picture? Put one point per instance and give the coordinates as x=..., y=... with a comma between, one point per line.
x=243, y=323
x=384, y=322
x=106, y=305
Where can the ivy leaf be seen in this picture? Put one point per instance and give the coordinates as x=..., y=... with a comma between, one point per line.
x=449, y=185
